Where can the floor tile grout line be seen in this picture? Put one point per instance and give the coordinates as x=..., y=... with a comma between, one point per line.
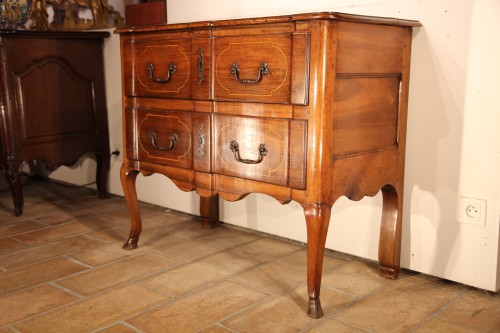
x=119, y=322
x=325, y=319
x=79, y=296
x=21, y=251
x=268, y=298
x=82, y=298
x=45, y=312
x=66, y=255
x=79, y=262
x=45, y=227
x=435, y=314
x=218, y=324
x=13, y=329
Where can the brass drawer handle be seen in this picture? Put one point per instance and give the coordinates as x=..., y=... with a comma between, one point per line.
x=236, y=152
x=172, y=68
x=263, y=70
x=174, y=138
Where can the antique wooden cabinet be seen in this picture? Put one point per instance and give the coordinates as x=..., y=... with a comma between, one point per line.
x=53, y=103
x=307, y=107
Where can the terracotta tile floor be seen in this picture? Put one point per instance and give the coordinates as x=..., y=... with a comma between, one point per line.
x=62, y=269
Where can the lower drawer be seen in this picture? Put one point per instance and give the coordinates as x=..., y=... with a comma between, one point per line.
x=267, y=150
x=172, y=138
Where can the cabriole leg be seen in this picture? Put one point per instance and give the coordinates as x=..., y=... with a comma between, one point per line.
x=317, y=220
x=128, y=178
x=389, y=250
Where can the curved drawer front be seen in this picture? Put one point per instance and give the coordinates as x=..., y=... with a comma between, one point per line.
x=165, y=138
x=160, y=68
x=258, y=149
x=253, y=68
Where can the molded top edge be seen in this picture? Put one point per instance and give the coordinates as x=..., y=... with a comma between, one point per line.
x=273, y=19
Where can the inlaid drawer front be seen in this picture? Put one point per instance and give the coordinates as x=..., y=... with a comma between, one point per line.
x=257, y=149
x=165, y=137
x=159, y=68
x=255, y=68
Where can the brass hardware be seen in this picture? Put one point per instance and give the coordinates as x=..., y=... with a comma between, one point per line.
x=263, y=70
x=201, y=67
x=236, y=152
x=174, y=138
x=172, y=68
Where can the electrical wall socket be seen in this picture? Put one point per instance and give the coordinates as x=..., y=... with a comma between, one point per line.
x=472, y=211
x=119, y=148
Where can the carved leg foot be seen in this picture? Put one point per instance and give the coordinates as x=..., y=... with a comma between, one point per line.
x=314, y=309
x=389, y=250
x=102, y=175
x=209, y=211
x=128, y=183
x=131, y=243
x=14, y=180
x=317, y=220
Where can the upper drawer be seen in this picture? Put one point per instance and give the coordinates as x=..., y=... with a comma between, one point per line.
x=160, y=66
x=261, y=68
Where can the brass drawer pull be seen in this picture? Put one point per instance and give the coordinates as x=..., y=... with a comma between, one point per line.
x=172, y=68
x=263, y=70
x=236, y=152
x=174, y=138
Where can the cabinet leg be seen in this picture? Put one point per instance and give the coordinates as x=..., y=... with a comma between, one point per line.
x=209, y=211
x=389, y=250
x=317, y=220
x=102, y=175
x=14, y=180
x=128, y=178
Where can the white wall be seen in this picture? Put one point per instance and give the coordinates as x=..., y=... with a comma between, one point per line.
x=453, y=139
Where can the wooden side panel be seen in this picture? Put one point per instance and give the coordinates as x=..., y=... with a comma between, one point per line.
x=130, y=128
x=127, y=46
x=298, y=152
x=364, y=48
x=300, y=69
x=62, y=86
x=366, y=117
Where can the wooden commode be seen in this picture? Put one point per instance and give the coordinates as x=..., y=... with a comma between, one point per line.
x=307, y=107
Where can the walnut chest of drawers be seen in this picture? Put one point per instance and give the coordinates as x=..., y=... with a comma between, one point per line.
x=307, y=107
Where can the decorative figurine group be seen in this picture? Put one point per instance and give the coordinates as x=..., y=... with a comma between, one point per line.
x=19, y=14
